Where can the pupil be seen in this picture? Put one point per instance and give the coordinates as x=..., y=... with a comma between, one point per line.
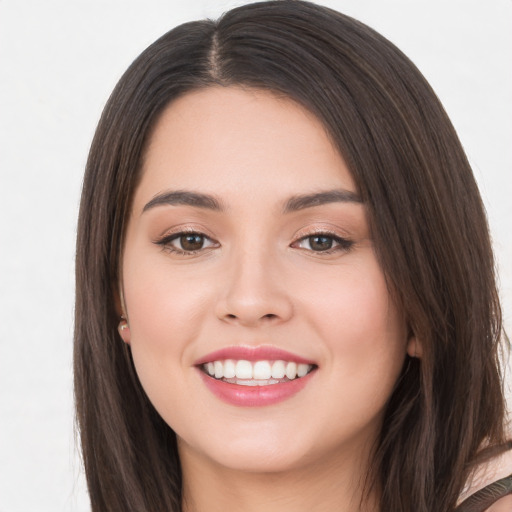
x=320, y=243
x=191, y=242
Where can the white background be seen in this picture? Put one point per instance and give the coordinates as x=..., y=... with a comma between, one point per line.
x=59, y=60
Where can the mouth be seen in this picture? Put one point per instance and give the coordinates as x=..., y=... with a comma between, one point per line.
x=255, y=376
x=256, y=373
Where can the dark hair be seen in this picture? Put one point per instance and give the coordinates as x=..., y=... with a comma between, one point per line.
x=426, y=217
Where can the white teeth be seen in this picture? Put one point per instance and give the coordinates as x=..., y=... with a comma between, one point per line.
x=243, y=369
x=291, y=370
x=261, y=370
x=219, y=369
x=302, y=370
x=229, y=369
x=252, y=382
x=278, y=370
x=249, y=382
x=258, y=373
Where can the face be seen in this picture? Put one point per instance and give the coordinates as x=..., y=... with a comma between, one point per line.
x=260, y=324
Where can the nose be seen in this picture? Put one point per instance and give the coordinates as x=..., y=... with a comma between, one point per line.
x=253, y=293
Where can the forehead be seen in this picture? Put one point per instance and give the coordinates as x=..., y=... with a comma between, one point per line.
x=243, y=142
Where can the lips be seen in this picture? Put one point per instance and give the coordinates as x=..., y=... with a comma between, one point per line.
x=254, y=376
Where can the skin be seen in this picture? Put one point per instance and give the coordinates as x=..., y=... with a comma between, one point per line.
x=258, y=281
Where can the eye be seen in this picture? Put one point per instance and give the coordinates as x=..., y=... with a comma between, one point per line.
x=323, y=243
x=186, y=242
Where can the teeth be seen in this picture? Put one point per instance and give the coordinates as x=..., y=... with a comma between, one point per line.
x=243, y=369
x=278, y=370
x=219, y=369
x=257, y=373
x=252, y=382
x=302, y=370
x=262, y=370
x=229, y=369
x=291, y=370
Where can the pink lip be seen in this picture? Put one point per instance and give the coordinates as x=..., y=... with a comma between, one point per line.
x=255, y=396
x=260, y=353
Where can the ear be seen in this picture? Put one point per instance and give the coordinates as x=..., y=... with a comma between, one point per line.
x=414, y=348
x=124, y=331
x=123, y=328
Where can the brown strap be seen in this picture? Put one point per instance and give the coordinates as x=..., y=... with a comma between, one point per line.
x=483, y=499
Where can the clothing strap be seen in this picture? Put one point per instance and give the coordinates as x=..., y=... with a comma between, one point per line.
x=484, y=498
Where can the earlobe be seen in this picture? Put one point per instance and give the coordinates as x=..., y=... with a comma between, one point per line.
x=414, y=348
x=124, y=331
x=123, y=328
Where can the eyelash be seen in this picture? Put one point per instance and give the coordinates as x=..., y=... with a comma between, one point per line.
x=165, y=242
x=340, y=244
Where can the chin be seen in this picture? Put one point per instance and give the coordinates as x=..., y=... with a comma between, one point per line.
x=256, y=459
x=261, y=451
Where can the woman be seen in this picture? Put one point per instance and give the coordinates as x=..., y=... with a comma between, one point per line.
x=285, y=288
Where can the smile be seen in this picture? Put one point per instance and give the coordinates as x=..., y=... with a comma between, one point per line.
x=256, y=373
x=246, y=376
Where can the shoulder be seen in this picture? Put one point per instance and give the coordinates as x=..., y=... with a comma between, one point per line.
x=490, y=487
x=502, y=505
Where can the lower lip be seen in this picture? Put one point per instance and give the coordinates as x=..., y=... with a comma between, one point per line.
x=255, y=396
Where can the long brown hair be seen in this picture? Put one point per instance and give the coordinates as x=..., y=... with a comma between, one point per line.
x=427, y=221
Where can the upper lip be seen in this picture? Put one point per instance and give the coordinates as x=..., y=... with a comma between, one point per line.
x=259, y=353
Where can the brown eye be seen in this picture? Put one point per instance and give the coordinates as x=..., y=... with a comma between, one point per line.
x=186, y=243
x=191, y=242
x=324, y=243
x=320, y=242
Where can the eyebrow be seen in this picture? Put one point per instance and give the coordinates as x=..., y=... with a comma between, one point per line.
x=302, y=202
x=295, y=203
x=185, y=197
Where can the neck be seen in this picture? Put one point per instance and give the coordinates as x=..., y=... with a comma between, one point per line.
x=334, y=484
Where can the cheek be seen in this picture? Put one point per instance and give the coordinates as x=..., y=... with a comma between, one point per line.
x=362, y=329
x=163, y=319
x=364, y=336
x=165, y=314
x=163, y=308
x=355, y=302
